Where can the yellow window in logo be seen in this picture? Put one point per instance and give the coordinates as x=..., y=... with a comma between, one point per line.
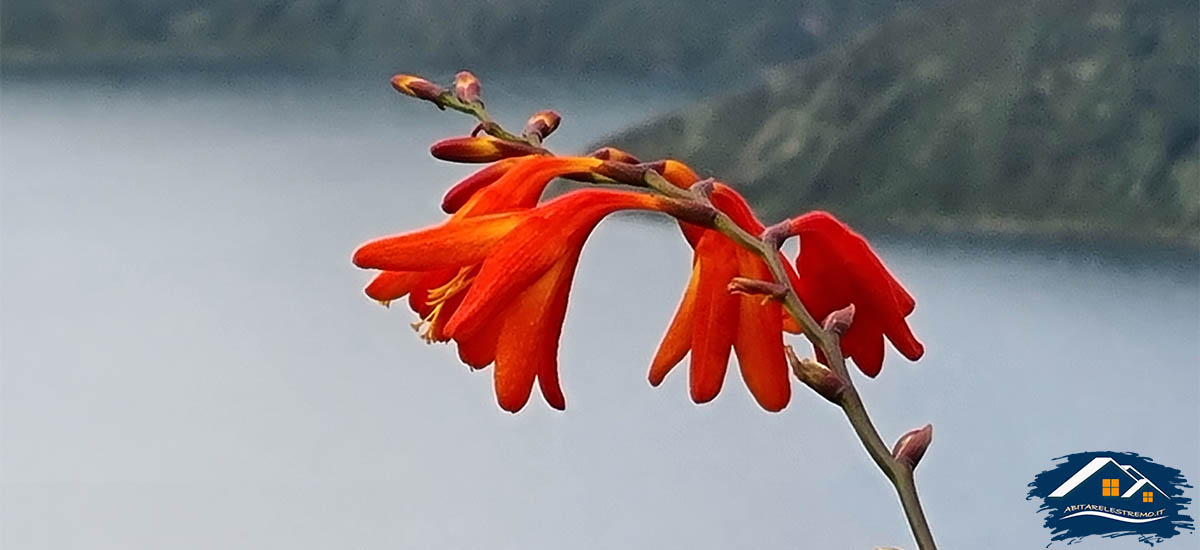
x=1148, y=496
x=1111, y=487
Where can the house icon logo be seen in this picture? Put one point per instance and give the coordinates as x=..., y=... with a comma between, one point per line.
x=1112, y=495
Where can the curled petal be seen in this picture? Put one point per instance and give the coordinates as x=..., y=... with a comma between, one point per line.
x=458, y=195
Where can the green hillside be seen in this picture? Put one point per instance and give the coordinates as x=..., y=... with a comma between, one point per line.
x=672, y=38
x=1066, y=119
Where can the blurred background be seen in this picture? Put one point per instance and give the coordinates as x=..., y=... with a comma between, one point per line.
x=187, y=361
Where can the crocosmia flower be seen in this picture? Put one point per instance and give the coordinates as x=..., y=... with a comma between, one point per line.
x=711, y=322
x=836, y=268
x=520, y=265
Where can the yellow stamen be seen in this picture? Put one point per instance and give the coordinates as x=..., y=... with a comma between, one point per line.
x=429, y=327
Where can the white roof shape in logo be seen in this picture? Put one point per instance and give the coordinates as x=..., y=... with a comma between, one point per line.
x=1140, y=485
x=1092, y=467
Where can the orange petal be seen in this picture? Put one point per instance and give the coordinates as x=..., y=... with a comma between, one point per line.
x=678, y=339
x=528, y=346
x=458, y=195
x=864, y=343
x=480, y=350
x=392, y=285
x=716, y=317
x=524, y=183
x=452, y=244
x=759, y=341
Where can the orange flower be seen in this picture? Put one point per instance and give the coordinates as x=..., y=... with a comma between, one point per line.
x=710, y=321
x=514, y=184
x=838, y=268
x=522, y=264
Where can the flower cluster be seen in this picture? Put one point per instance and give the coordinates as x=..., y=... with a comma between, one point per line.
x=495, y=276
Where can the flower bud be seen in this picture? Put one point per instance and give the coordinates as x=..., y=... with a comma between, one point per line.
x=839, y=321
x=466, y=87
x=615, y=155
x=481, y=149
x=821, y=379
x=542, y=124
x=417, y=87
x=911, y=446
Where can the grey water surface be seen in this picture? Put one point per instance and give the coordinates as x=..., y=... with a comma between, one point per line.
x=188, y=360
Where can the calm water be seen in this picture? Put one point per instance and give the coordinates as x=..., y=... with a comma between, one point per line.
x=188, y=361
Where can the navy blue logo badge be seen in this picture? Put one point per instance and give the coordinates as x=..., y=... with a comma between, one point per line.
x=1112, y=495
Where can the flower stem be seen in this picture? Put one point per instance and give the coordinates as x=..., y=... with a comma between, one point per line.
x=900, y=474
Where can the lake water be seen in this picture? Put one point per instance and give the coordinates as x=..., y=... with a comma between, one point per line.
x=188, y=360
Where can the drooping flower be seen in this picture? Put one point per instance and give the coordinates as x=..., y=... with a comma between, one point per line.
x=710, y=321
x=509, y=185
x=836, y=267
x=522, y=265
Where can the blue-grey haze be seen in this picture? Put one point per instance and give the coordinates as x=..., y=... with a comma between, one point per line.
x=188, y=361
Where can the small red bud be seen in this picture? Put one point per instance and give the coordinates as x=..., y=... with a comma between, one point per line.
x=542, y=124
x=821, y=379
x=466, y=87
x=912, y=445
x=839, y=321
x=481, y=149
x=417, y=87
x=615, y=155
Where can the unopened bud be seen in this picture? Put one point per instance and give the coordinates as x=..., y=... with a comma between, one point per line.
x=839, y=321
x=615, y=155
x=417, y=87
x=542, y=124
x=821, y=379
x=756, y=287
x=481, y=149
x=466, y=87
x=912, y=445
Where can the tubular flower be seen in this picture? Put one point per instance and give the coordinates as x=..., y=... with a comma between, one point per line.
x=509, y=185
x=522, y=264
x=837, y=268
x=710, y=321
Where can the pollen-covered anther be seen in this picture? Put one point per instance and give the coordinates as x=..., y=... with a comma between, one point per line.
x=430, y=326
